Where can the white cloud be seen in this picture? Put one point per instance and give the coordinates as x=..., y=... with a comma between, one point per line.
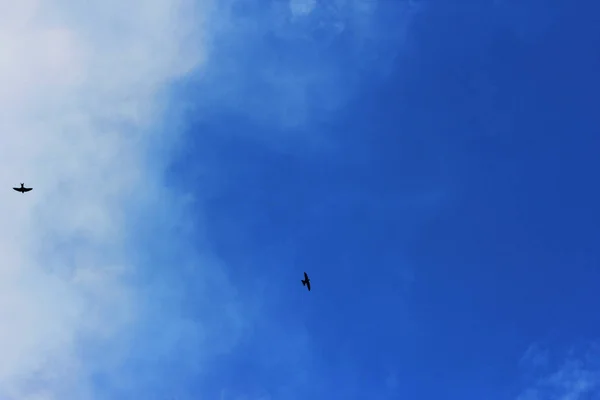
x=80, y=87
x=82, y=101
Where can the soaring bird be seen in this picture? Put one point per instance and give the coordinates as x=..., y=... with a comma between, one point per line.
x=22, y=189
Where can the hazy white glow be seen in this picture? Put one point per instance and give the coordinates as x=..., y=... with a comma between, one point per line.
x=79, y=87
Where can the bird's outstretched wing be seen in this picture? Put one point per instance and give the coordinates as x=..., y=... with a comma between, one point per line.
x=308, y=285
x=27, y=189
x=305, y=276
x=17, y=189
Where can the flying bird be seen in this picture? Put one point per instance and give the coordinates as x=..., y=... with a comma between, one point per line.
x=22, y=189
x=306, y=282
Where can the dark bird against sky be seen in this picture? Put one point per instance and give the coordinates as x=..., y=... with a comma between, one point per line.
x=22, y=189
x=306, y=282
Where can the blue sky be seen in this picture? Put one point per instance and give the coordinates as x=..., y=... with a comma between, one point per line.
x=438, y=184
x=431, y=165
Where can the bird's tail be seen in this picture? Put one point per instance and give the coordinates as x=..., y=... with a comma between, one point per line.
x=303, y=283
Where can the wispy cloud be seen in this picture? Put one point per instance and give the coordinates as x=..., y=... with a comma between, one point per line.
x=575, y=378
x=535, y=357
x=284, y=62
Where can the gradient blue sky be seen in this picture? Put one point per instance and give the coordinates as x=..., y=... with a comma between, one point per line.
x=438, y=183
x=431, y=165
